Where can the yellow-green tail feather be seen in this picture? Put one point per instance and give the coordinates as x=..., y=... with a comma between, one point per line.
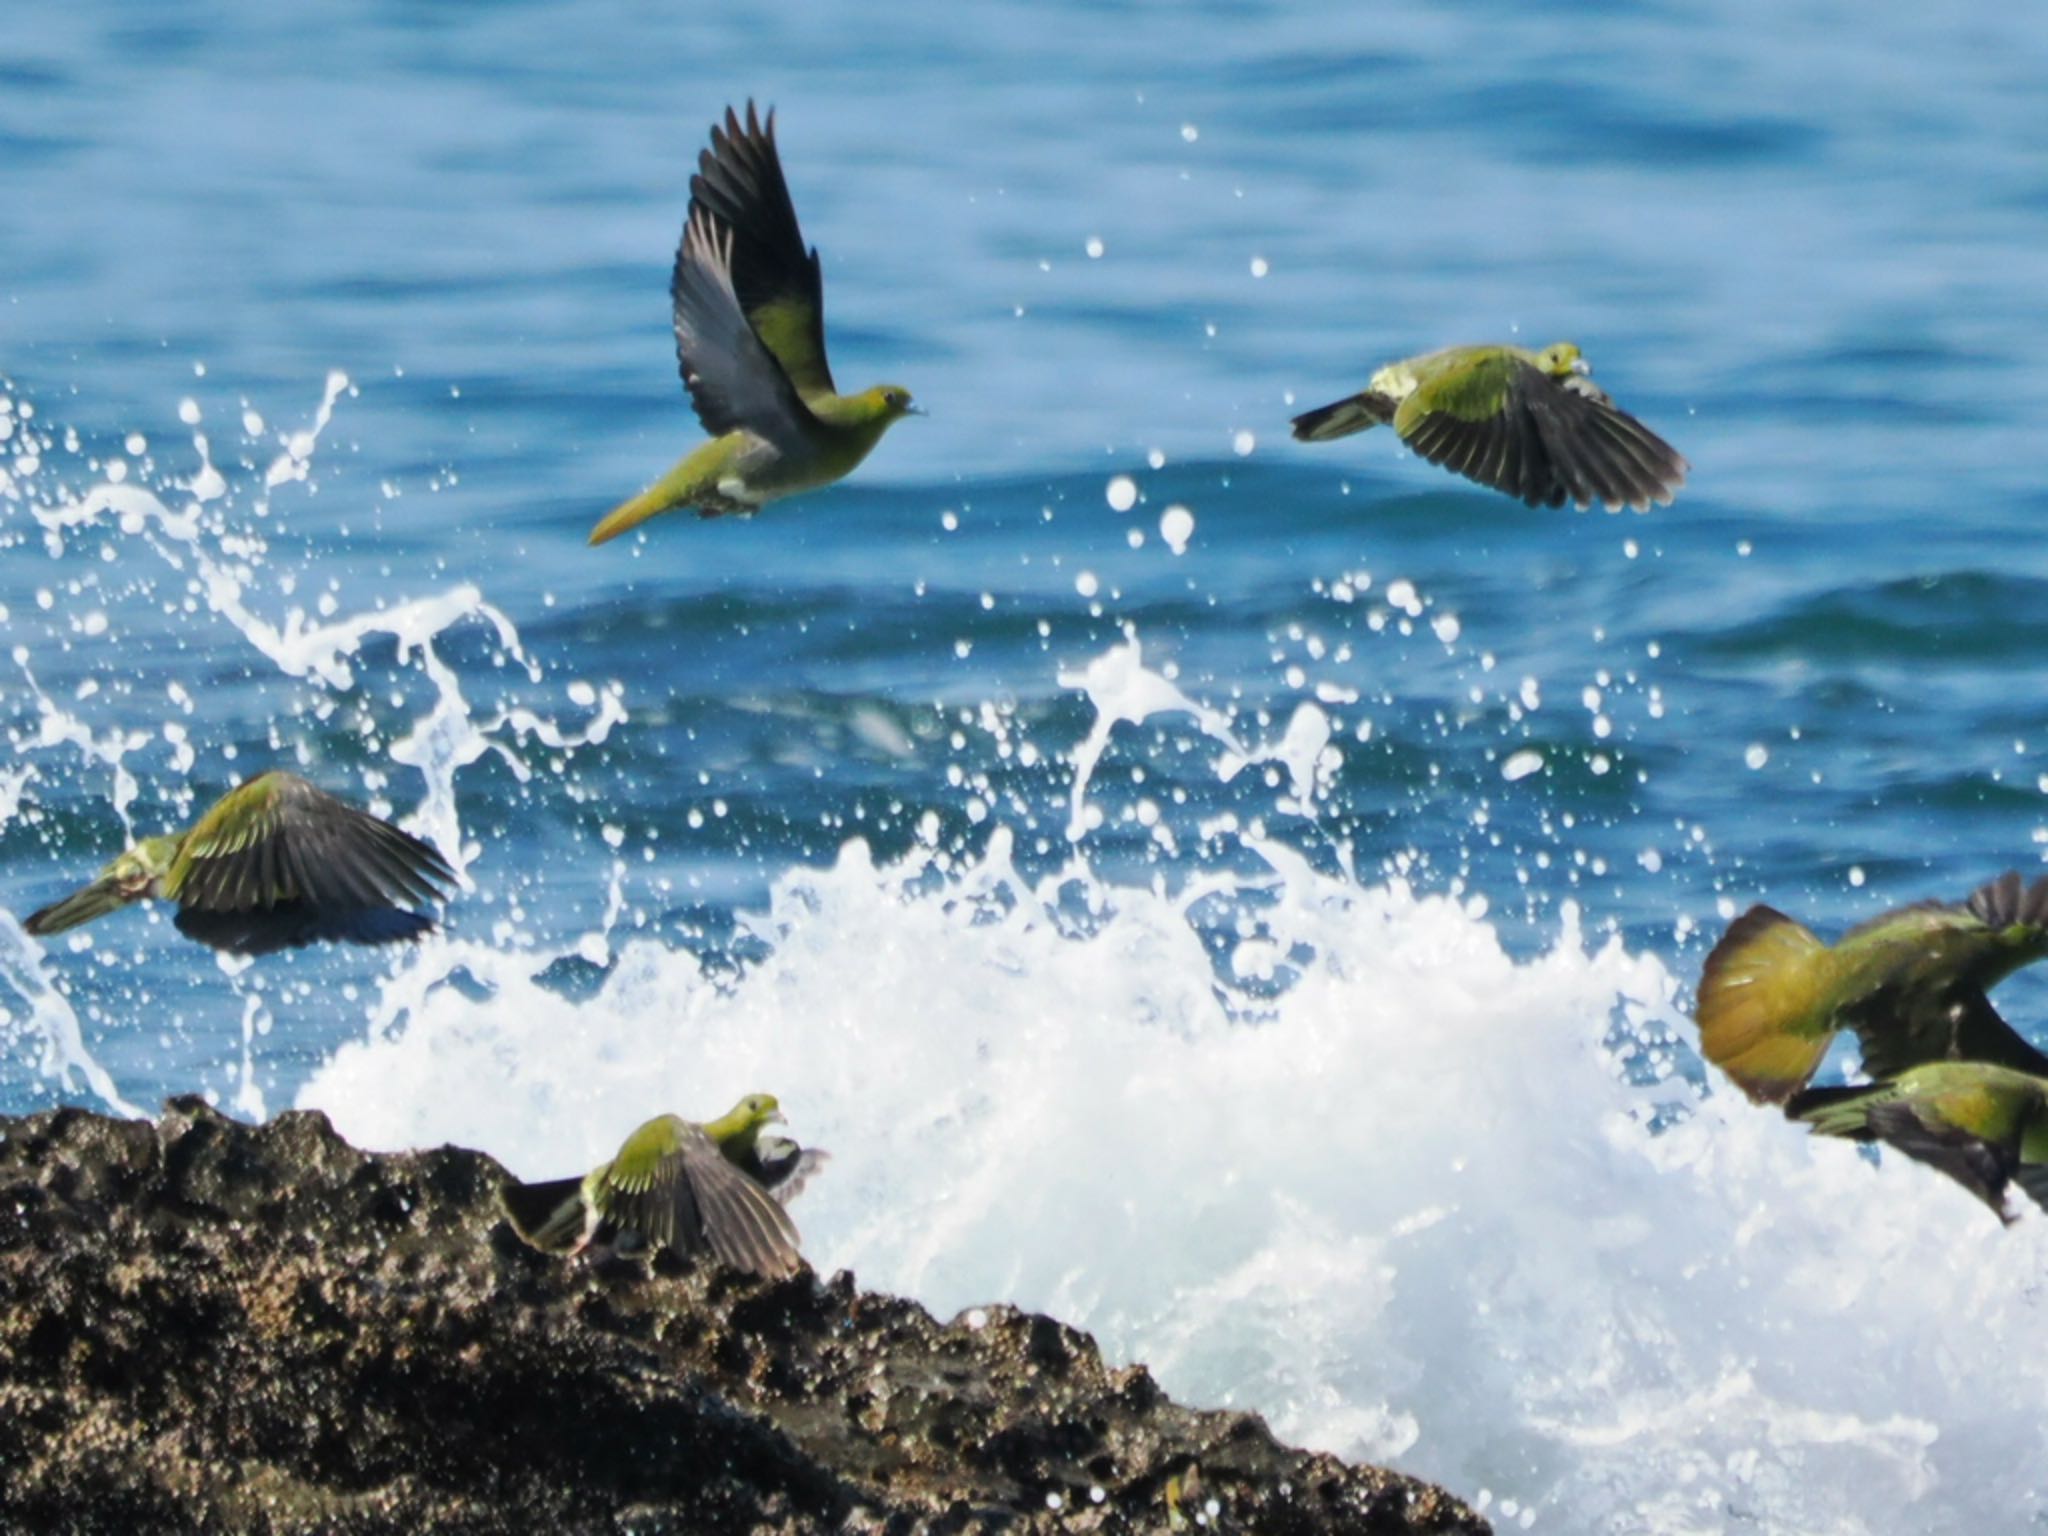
x=1763, y=1004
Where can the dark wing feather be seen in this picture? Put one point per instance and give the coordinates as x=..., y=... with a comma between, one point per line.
x=284, y=863
x=734, y=381
x=1963, y=1026
x=1936, y=1007
x=1502, y=451
x=1981, y=1167
x=1606, y=452
x=2009, y=902
x=294, y=924
x=776, y=277
x=743, y=1224
x=782, y=1167
x=695, y=1200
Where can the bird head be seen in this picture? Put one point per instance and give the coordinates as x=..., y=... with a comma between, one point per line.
x=742, y=1123
x=887, y=402
x=128, y=878
x=1562, y=359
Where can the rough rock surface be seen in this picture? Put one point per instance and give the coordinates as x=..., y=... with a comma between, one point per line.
x=207, y=1326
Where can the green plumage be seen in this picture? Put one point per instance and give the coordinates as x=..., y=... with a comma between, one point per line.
x=272, y=864
x=1913, y=984
x=749, y=307
x=1984, y=1126
x=1527, y=423
x=718, y=1187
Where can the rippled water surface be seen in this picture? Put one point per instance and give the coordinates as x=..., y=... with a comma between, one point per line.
x=1242, y=896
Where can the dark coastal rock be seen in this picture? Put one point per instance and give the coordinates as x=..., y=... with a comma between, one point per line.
x=208, y=1326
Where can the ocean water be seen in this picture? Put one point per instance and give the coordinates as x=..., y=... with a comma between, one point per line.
x=1242, y=897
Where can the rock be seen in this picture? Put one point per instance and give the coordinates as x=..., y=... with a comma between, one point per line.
x=209, y=1326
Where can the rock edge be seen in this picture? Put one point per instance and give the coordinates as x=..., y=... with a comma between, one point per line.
x=206, y=1325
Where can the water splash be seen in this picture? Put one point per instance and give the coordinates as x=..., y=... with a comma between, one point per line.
x=1408, y=1204
x=204, y=531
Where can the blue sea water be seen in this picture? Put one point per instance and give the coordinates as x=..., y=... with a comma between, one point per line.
x=1243, y=896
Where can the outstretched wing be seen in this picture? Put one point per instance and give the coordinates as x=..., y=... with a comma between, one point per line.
x=280, y=862
x=671, y=1184
x=783, y=1168
x=735, y=384
x=1982, y=1167
x=1961, y=1119
x=1936, y=961
x=781, y=289
x=1505, y=423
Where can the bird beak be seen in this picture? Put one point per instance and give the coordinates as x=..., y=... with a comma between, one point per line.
x=81, y=906
x=1580, y=365
x=776, y=1117
x=915, y=410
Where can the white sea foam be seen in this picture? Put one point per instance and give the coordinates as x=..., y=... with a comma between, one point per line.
x=205, y=538
x=1411, y=1207
x=1411, y=1210
x=1372, y=1176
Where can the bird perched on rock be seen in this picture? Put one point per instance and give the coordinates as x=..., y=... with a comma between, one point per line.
x=1911, y=983
x=750, y=331
x=1982, y=1125
x=680, y=1185
x=273, y=864
x=1528, y=423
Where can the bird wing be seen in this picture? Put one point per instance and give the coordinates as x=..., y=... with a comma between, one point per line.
x=1981, y=1166
x=671, y=1184
x=1500, y=420
x=1466, y=416
x=1962, y=1118
x=734, y=381
x=776, y=277
x=278, y=841
x=1596, y=449
x=1925, y=970
x=295, y=924
x=783, y=1168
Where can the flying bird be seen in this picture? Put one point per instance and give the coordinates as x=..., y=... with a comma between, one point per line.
x=274, y=864
x=1911, y=983
x=680, y=1185
x=1984, y=1126
x=1532, y=424
x=750, y=331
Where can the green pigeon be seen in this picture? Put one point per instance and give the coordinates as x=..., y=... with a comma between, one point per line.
x=750, y=331
x=680, y=1185
x=1528, y=423
x=1911, y=983
x=1984, y=1126
x=274, y=864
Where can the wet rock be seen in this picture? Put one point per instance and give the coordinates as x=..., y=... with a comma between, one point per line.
x=208, y=1326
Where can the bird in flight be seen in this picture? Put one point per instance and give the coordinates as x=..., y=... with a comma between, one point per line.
x=750, y=332
x=273, y=864
x=1984, y=1126
x=1532, y=424
x=1912, y=983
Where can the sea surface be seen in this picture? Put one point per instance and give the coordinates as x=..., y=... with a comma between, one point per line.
x=1243, y=897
